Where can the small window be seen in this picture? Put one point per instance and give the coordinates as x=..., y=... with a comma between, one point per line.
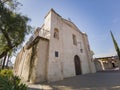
x=56, y=33
x=88, y=47
x=56, y=54
x=74, y=40
x=81, y=50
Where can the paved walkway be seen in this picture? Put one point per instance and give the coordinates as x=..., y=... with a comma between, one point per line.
x=109, y=80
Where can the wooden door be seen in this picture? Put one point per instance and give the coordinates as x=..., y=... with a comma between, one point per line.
x=77, y=65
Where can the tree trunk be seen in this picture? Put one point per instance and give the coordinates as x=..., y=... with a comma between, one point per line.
x=3, y=66
x=4, y=53
x=7, y=61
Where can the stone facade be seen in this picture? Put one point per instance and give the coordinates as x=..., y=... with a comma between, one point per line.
x=56, y=51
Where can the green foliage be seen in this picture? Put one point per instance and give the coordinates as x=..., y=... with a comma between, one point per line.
x=6, y=72
x=10, y=82
x=115, y=45
x=13, y=27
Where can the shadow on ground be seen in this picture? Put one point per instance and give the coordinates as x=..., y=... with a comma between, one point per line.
x=109, y=80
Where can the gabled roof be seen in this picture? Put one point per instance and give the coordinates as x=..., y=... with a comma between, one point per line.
x=68, y=22
x=71, y=24
x=52, y=10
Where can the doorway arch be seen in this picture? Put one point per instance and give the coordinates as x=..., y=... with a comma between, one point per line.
x=77, y=65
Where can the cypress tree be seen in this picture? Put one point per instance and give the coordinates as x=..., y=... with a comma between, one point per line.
x=115, y=45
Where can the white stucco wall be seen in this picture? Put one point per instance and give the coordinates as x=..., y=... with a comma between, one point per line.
x=22, y=62
x=42, y=60
x=88, y=54
x=54, y=63
x=48, y=67
x=63, y=66
x=25, y=64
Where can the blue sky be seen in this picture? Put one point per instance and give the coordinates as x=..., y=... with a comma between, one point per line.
x=95, y=17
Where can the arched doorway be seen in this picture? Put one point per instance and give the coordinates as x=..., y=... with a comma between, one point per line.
x=77, y=65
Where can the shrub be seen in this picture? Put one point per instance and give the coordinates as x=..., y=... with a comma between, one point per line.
x=6, y=72
x=10, y=82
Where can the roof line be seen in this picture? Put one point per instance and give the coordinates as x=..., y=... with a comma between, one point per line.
x=52, y=10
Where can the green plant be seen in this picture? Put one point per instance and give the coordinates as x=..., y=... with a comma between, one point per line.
x=6, y=72
x=115, y=45
x=10, y=82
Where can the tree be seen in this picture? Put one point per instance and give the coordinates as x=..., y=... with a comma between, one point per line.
x=115, y=45
x=13, y=27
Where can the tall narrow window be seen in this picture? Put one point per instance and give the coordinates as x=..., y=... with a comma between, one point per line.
x=74, y=40
x=56, y=54
x=56, y=33
x=88, y=47
x=81, y=50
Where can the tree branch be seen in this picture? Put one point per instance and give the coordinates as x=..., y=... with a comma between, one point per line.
x=7, y=37
x=4, y=1
x=6, y=51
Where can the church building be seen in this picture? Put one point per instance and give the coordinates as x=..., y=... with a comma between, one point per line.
x=56, y=50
